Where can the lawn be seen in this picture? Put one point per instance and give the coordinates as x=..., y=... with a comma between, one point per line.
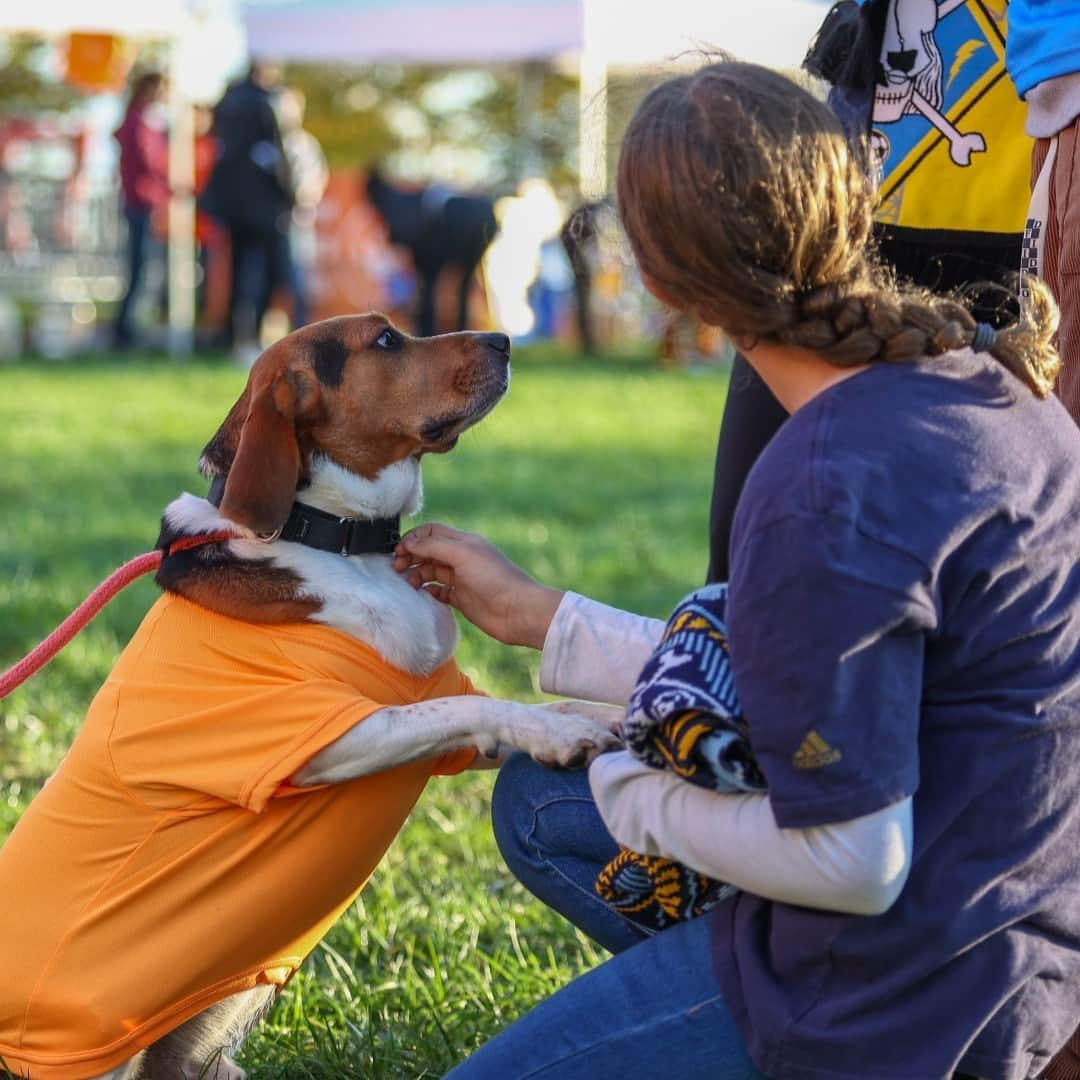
x=594, y=476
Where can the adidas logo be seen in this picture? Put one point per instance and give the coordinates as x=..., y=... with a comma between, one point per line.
x=814, y=753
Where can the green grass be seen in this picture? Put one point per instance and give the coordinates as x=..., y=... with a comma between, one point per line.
x=593, y=476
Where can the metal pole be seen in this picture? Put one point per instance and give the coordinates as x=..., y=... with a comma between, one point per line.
x=181, y=251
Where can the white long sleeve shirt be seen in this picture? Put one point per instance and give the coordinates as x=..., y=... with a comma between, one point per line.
x=595, y=652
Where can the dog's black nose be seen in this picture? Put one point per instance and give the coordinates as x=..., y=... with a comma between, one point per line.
x=499, y=342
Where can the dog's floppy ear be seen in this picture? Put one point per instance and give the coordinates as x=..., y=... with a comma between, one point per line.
x=217, y=456
x=262, y=477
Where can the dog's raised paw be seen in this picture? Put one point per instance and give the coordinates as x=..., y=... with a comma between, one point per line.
x=609, y=716
x=569, y=740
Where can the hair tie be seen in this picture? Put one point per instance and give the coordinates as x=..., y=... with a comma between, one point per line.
x=984, y=337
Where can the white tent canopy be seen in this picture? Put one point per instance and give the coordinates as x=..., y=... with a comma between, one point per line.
x=637, y=34
x=412, y=31
x=129, y=18
x=603, y=35
x=629, y=33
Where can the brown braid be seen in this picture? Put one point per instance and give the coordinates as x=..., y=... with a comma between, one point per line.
x=746, y=205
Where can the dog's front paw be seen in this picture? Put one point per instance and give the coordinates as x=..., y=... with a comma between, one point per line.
x=567, y=739
x=609, y=716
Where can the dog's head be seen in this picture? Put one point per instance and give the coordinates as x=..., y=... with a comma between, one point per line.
x=356, y=390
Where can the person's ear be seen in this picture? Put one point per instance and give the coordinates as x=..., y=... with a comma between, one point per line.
x=745, y=343
x=658, y=291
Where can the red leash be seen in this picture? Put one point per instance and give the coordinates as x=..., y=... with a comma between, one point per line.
x=143, y=564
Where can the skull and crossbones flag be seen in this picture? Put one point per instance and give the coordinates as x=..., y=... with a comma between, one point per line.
x=925, y=82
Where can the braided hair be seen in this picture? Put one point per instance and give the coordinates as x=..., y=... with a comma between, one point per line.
x=746, y=205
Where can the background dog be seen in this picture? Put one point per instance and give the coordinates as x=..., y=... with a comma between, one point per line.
x=442, y=230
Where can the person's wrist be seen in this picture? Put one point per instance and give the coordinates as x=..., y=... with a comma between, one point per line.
x=533, y=614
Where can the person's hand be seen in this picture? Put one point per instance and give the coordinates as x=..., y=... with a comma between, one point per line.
x=471, y=574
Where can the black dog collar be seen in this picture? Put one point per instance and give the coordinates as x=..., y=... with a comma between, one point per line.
x=328, y=532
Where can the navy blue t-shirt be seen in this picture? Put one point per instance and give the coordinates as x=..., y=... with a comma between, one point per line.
x=904, y=617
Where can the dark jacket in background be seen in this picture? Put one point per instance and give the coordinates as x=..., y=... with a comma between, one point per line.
x=250, y=186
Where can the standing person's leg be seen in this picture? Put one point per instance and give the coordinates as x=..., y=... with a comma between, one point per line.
x=1062, y=258
x=271, y=273
x=468, y=269
x=237, y=260
x=574, y=246
x=1065, y=1064
x=138, y=234
x=752, y=416
x=1062, y=272
x=280, y=272
x=249, y=255
x=296, y=275
x=426, y=280
x=653, y=1010
x=555, y=842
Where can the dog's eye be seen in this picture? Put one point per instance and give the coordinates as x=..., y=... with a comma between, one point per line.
x=388, y=340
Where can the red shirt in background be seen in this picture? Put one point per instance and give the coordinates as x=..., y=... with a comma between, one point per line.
x=143, y=161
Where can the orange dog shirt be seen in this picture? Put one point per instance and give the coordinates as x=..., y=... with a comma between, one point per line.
x=168, y=862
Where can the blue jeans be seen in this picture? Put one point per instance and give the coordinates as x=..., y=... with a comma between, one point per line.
x=654, y=1009
x=138, y=247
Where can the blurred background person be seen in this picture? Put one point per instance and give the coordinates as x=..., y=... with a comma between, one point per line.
x=579, y=237
x=143, y=187
x=250, y=193
x=309, y=175
x=865, y=50
x=1043, y=59
x=210, y=238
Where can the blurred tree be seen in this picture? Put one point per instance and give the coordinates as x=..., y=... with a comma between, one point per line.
x=27, y=84
x=457, y=124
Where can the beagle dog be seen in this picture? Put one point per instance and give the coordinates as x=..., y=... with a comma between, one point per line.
x=336, y=417
x=308, y=476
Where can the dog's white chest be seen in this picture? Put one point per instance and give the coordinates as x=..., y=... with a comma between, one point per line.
x=363, y=597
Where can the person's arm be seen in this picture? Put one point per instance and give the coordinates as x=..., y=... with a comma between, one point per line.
x=268, y=151
x=595, y=652
x=590, y=651
x=827, y=632
x=469, y=573
x=857, y=866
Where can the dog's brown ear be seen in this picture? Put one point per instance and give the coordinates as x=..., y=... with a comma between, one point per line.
x=217, y=456
x=263, y=475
